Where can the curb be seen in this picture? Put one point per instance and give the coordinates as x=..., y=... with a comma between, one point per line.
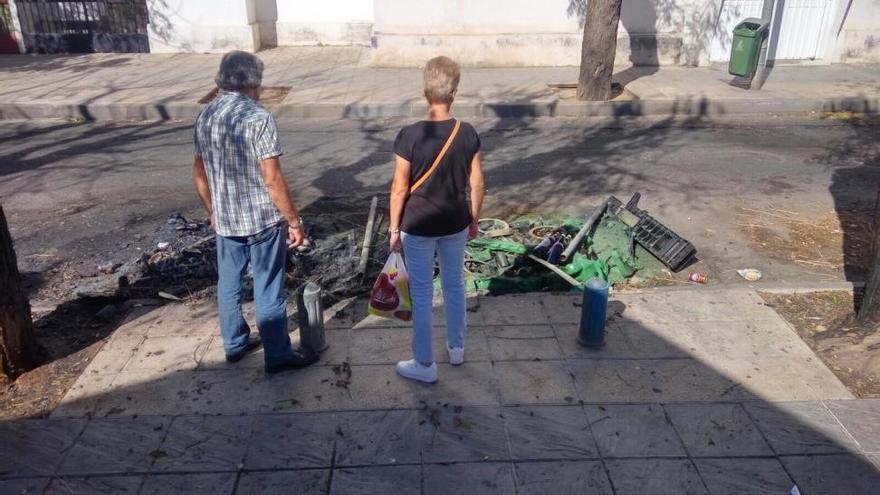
x=691, y=106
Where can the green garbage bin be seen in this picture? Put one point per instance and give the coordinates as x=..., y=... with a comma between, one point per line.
x=746, y=47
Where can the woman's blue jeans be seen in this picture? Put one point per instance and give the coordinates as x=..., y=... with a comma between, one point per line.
x=419, y=254
x=266, y=252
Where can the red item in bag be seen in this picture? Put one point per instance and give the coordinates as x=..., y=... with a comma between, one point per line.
x=390, y=295
x=384, y=296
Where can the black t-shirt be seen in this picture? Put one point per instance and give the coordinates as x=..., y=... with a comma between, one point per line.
x=440, y=206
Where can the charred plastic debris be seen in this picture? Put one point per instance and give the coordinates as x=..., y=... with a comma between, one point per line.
x=616, y=242
x=529, y=253
x=180, y=261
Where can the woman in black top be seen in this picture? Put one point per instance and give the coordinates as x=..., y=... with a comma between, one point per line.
x=437, y=161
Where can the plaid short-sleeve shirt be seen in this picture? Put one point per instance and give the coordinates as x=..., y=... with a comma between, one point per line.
x=232, y=135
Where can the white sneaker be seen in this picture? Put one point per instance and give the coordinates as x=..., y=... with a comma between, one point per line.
x=415, y=370
x=456, y=355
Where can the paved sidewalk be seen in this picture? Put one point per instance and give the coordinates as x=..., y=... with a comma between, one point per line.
x=696, y=391
x=336, y=82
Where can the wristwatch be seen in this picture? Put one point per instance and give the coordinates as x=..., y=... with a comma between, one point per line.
x=297, y=225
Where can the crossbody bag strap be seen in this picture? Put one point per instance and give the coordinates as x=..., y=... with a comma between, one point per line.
x=437, y=160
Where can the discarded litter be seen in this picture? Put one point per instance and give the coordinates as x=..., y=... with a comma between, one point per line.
x=163, y=246
x=750, y=274
x=170, y=297
x=109, y=267
x=698, y=277
x=493, y=227
x=616, y=243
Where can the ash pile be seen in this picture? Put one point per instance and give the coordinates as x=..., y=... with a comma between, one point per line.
x=345, y=252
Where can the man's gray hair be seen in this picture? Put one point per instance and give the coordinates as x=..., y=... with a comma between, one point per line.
x=239, y=70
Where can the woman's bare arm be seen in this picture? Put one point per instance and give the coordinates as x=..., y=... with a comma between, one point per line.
x=478, y=190
x=399, y=195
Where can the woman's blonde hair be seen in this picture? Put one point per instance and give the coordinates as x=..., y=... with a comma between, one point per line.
x=441, y=79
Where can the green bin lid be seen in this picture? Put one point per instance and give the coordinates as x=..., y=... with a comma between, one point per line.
x=750, y=28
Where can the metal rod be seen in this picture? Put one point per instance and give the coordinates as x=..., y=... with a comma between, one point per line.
x=368, y=237
x=575, y=243
x=555, y=269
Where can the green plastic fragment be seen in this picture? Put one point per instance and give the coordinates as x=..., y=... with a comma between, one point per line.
x=497, y=245
x=500, y=265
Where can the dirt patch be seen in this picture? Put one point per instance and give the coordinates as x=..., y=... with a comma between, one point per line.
x=269, y=95
x=825, y=243
x=825, y=321
x=568, y=91
x=68, y=338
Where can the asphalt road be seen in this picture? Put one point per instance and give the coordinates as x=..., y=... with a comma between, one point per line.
x=87, y=193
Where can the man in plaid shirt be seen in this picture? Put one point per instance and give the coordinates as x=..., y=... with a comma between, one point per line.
x=238, y=176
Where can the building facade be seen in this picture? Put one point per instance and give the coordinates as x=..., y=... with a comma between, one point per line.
x=505, y=33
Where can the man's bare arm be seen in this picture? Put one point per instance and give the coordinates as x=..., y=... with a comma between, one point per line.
x=279, y=192
x=200, y=177
x=281, y=197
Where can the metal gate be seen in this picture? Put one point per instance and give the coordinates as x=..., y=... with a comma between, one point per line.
x=797, y=35
x=56, y=26
x=8, y=43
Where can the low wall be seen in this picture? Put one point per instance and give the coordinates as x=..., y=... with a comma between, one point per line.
x=202, y=26
x=329, y=22
x=522, y=33
x=859, y=40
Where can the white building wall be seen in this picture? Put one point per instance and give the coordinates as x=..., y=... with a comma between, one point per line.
x=202, y=26
x=490, y=32
x=859, y=39
x=528, y=33
x=326, y=22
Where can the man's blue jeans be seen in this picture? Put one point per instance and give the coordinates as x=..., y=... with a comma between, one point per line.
x=419, y=254
x=266, y=253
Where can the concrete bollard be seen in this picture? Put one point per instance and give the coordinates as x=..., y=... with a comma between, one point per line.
x=311, y=318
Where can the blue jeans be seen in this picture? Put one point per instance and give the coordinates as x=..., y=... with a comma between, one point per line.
x=419, y=253
x=266, y=252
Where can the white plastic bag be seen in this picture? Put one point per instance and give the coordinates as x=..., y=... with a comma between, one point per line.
x=390, y=295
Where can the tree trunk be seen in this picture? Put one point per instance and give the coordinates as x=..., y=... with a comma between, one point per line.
x=597, y=52
x=17, y=347
x=870, y=307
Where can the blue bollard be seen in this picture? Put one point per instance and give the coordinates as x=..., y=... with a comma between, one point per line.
x=593, y=311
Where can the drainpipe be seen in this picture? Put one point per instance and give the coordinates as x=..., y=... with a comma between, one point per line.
x=763, y=72
x=16, y=26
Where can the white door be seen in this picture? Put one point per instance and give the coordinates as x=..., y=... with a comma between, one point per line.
x=800, y=34
x=802, y=29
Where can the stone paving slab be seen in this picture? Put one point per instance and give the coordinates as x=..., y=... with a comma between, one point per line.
x=798, y=428
x=472, y=450
x=634, y=430
x=655, y=476
x=860, y=418
x=529, y=362
x=337, y=82
x=109, y=485
x=311, y=482
x=843, y=473
x=195, y=484
x=738, y=476
x=657, y=410
x=536, y=478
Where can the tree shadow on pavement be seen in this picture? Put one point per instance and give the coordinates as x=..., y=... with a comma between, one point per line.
x=855, y=184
